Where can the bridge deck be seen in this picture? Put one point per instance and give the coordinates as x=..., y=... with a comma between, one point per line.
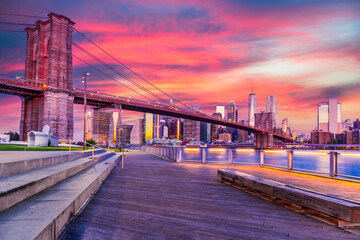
x=154, y=199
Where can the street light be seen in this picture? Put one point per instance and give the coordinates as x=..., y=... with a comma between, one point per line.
x=119, y=139
x=84, y=81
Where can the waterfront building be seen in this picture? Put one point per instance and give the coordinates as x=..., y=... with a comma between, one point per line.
x=348, y=137
x=101, y=122
x=320, y=137
x=215, y=128
x=347, y=125
x=272, y=107
x=191, y=130
x=124, y=134
x=214, y=132
x=164, y=129
x=355, y=137
x=251, y=108
x=165, y=132
x=136, y=136
x=231, y=112
x=226, y=137
x=356, y=124
x=157, y=126
x=284, y=125
x=149, y=126
x=221, y=110
x=89, y=131
x=176, y=129
x=329, y=116
x=115, y=121
x=205, y=132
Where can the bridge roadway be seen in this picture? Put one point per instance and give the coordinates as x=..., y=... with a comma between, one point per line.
x=154, y=199
x=31, y=89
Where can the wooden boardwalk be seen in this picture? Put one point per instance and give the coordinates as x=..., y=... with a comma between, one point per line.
x=154, y=199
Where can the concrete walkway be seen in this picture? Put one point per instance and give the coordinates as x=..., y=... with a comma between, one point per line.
x=154, y=199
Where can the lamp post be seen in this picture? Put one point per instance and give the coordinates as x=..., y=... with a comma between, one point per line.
x=119, y=142
x=84, y=81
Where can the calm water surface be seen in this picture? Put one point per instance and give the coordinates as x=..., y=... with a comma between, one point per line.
x=312, y=160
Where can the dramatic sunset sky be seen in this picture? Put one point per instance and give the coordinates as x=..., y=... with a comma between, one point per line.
x=208, y=52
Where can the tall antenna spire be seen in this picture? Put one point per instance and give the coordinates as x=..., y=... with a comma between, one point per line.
x=252, y=86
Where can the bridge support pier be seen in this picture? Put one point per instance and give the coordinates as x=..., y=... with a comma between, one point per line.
x=263, y=140
x=49, y=63
x=54, y=109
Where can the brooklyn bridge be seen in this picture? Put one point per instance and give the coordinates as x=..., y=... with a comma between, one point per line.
x=47, y=92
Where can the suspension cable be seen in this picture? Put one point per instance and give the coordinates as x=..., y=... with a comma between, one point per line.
x=122, y=64
x=97, y=69
x=117, y=72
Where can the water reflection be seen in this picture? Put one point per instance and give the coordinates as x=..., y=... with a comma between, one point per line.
x=319, y=161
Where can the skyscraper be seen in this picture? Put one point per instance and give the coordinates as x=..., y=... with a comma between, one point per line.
x=231, y=112
x=191, y=130
x=251, y=108
x=157, y=126
x=272, y=107
x=136, y=136
x=101, y=122
x=323, y=116
x=285, y=124
x=115, y=121
x=221, y=109
x=356, y=125
x=205, y=131
x=176, y=129
x=329, y=116
x=149, y=126
x=124, y=134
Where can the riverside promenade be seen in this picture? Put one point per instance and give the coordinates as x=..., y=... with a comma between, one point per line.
x=151, y=198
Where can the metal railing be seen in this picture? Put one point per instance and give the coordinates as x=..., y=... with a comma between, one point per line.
x=325, y=163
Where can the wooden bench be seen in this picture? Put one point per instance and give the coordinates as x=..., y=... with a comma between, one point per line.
x=344, y=212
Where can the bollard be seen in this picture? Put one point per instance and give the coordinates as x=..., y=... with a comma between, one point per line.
x=262, y=156
x=70, y=145
x=93, y=152
x=24, y=147
x=178, y=158
x=290, y=160
x=203, y=151
x=333, y=164
x=122, y=161
x=230, y=156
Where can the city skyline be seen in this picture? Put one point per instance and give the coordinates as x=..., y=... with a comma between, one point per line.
x=309, y=58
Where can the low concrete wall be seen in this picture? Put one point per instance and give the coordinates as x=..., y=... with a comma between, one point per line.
x=335, y=207
x=15, y=167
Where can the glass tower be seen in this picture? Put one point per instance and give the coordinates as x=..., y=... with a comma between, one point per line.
x=329, y=116
x=272, y=107
x=231, y=112
x=251, y=109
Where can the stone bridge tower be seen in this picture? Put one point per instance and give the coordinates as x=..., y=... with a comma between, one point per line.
x=49, y=62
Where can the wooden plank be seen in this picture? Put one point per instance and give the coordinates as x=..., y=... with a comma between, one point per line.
x=154, y=199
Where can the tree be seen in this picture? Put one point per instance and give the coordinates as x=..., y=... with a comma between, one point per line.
x=14, y=136
x=91, y=141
